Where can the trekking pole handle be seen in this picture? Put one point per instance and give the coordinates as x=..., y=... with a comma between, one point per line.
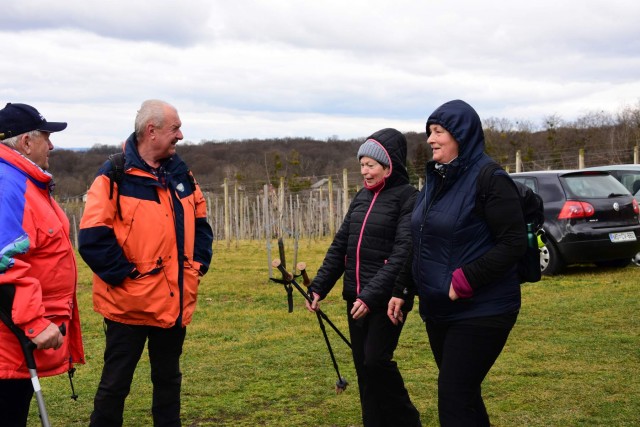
x=289, y=278
x=303, y=271
x=28, y=346
x=281, y=252
x=63, y=331
x=276, y=263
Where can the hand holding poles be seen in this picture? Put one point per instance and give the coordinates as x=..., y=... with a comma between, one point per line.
x=28, y=347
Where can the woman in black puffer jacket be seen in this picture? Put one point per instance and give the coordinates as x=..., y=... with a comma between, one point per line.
x=370, y=249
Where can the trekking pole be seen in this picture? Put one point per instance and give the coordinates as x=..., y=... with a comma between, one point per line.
x=289, y=278
x=342, y=383
x=286, y=284
x=27, y=349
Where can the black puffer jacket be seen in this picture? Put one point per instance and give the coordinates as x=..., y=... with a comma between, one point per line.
x=374, y=241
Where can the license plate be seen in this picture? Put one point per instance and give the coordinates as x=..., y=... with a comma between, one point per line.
x=628, y=236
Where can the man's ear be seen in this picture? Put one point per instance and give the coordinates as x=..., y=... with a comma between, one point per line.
x=24, y=144
x=151, y=130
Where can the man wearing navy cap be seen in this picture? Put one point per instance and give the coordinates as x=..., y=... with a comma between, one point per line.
x=37, y=263
x=22, y=127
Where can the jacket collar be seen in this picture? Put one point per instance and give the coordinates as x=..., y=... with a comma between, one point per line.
x=172, y=165
x=38, y=176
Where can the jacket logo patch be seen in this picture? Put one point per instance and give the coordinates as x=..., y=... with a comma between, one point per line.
x=180, y=187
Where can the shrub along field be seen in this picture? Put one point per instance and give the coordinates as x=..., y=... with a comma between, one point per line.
x=573, y=358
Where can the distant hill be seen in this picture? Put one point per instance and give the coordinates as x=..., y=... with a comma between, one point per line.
x=253, y=162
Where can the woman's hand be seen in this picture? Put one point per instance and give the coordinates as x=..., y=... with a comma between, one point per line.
x=313, y=305
x=359, y=310
x=394, y=310
x=452, y=293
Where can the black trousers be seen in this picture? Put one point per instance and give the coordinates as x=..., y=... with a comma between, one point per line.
x=15, y=399
x=125, y=344
x=384, y=399
x=464, y=353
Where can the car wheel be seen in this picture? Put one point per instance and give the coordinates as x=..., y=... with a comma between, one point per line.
x=550, y=261
x=615, y=263
x=636, y=259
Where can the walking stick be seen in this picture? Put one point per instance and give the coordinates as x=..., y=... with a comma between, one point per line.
x=286, y=276
x=342, y=383
x=28, y=347
x=287, y=284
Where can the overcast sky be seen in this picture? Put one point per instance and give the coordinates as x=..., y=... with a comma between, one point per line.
x=278, y=68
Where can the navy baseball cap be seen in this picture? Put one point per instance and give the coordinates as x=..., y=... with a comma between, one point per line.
x=16, y=119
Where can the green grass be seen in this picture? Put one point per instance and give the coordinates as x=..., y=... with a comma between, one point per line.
x=573, y=358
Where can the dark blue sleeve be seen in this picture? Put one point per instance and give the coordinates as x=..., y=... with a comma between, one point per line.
x=203, y=250
x=99, y=248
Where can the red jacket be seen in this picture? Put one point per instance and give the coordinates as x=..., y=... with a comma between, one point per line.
x=37, y=258
x=163, y=234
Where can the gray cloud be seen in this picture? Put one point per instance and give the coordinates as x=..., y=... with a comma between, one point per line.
x=171, y=22
x=282, y=68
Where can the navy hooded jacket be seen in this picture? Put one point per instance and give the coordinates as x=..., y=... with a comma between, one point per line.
x=448, y=233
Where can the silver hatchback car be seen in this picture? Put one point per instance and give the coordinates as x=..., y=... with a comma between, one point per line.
x=629, y=176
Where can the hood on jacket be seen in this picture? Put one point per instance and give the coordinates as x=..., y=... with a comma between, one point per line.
x=464, y=124
x=395, y=145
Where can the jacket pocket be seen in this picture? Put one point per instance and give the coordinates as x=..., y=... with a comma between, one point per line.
x=146, y=274
x=191, y=282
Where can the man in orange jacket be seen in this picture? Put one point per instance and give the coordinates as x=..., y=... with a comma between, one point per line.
x=147, y=240
x=38, y=275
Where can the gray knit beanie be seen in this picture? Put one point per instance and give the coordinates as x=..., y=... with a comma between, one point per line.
x=372, y=148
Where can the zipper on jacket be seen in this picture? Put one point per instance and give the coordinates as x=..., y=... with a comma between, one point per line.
x=424, y=218
x=364, y=223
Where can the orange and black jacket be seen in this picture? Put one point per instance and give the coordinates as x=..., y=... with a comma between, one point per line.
x=147, y=245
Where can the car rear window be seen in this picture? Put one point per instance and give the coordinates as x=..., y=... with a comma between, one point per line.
x=594, y=186
x=630, y=180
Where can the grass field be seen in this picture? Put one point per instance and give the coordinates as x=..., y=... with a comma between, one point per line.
x=573, y=358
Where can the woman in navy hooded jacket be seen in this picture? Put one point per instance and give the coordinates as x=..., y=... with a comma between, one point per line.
x=370, y=249
x=464, y=262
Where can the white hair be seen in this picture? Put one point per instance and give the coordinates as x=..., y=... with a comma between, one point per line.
x=151, y=111
x=13, y=141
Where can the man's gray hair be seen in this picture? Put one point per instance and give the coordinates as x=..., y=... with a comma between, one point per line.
x=151, y=111
x=13, y=141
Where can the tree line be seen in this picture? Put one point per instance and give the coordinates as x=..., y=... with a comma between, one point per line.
x=605, y=138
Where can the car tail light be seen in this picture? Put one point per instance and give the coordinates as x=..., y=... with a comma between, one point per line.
x=636, y=209
x=574, y=209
